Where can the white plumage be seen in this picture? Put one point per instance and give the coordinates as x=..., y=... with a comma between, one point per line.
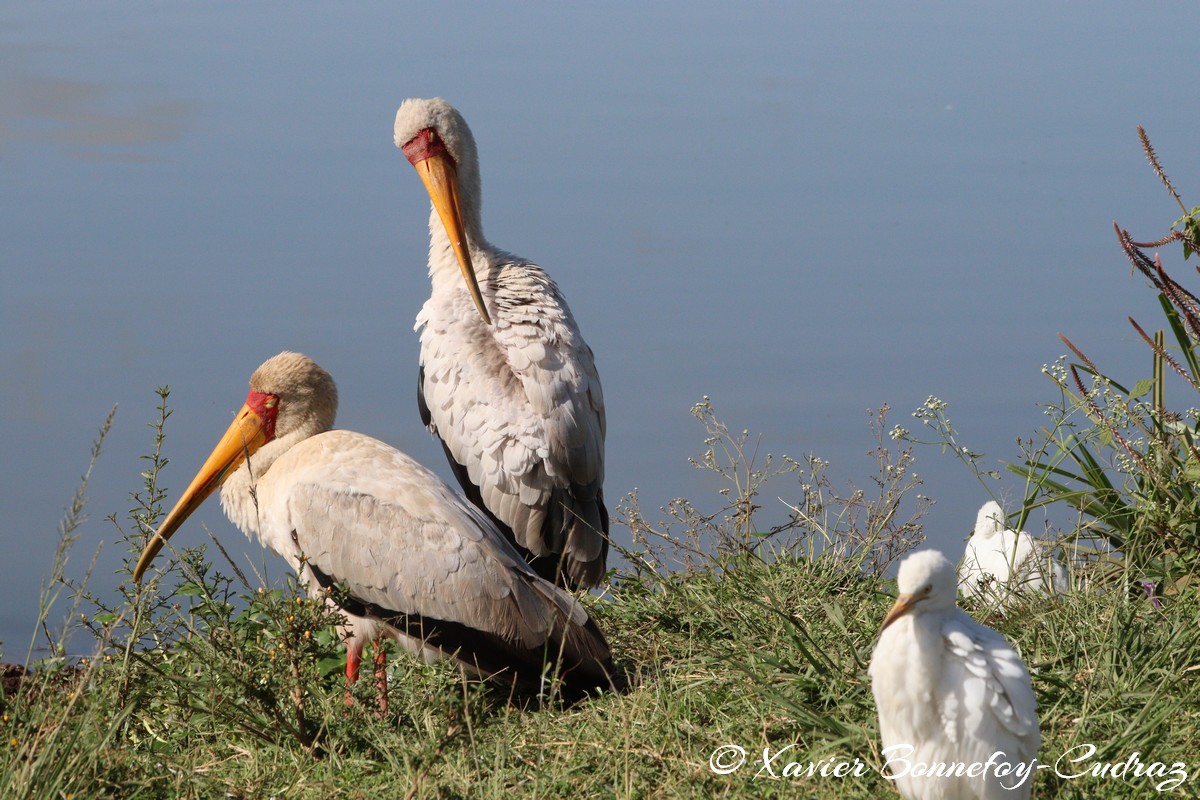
x=950, y=692
x=1000, y=562
x=506, y=379
x=418, y=563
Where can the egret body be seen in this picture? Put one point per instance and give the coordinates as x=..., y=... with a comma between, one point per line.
x=1000, y=562
x=950, y=692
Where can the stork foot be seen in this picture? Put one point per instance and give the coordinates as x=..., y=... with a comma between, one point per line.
x=354, y=663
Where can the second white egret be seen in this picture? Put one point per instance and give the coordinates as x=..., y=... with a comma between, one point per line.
x=1000, y=562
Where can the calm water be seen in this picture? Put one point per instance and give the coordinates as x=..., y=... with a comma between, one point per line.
x=802, y=212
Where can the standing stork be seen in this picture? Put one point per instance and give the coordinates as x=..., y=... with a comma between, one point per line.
x=506, y=380
x=418, y=563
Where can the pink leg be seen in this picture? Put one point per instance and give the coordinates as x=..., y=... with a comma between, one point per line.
x=353, y=662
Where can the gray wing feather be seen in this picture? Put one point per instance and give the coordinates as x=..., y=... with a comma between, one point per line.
x=520, y=410
x=401, y=539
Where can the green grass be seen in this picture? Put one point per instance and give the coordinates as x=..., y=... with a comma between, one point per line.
x=206, y=684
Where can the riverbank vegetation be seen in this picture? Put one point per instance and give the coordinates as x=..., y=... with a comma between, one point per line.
x=746, y=642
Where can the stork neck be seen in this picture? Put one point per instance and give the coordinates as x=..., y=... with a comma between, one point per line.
x=443, y=264
x=239, y=492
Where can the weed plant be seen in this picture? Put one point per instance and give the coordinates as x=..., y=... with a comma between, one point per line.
x=1115, y=452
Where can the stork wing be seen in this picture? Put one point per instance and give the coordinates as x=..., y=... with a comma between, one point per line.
x=520, y=412
x=411, y=553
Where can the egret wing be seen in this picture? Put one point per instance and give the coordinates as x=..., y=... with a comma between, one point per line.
x=986, y=692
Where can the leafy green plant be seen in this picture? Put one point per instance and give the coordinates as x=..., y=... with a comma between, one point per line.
x=1116, y=453
x=199, y=643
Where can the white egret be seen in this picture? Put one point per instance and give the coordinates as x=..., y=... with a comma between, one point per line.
x=957, y=714
x=1000, y=562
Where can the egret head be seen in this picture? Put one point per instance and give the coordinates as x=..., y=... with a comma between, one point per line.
x=990, y=520
x=926, y=583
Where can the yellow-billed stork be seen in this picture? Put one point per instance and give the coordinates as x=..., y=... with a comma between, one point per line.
x=506, y=380
x=418, y=563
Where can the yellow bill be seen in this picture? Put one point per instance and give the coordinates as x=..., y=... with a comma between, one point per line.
x=441, y=181
x=248, y=431
x=901, y=607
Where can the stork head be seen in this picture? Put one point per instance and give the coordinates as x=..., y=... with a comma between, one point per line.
x=436, y=140
x=289, y=394
x=926, y=582
x=307, y=395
